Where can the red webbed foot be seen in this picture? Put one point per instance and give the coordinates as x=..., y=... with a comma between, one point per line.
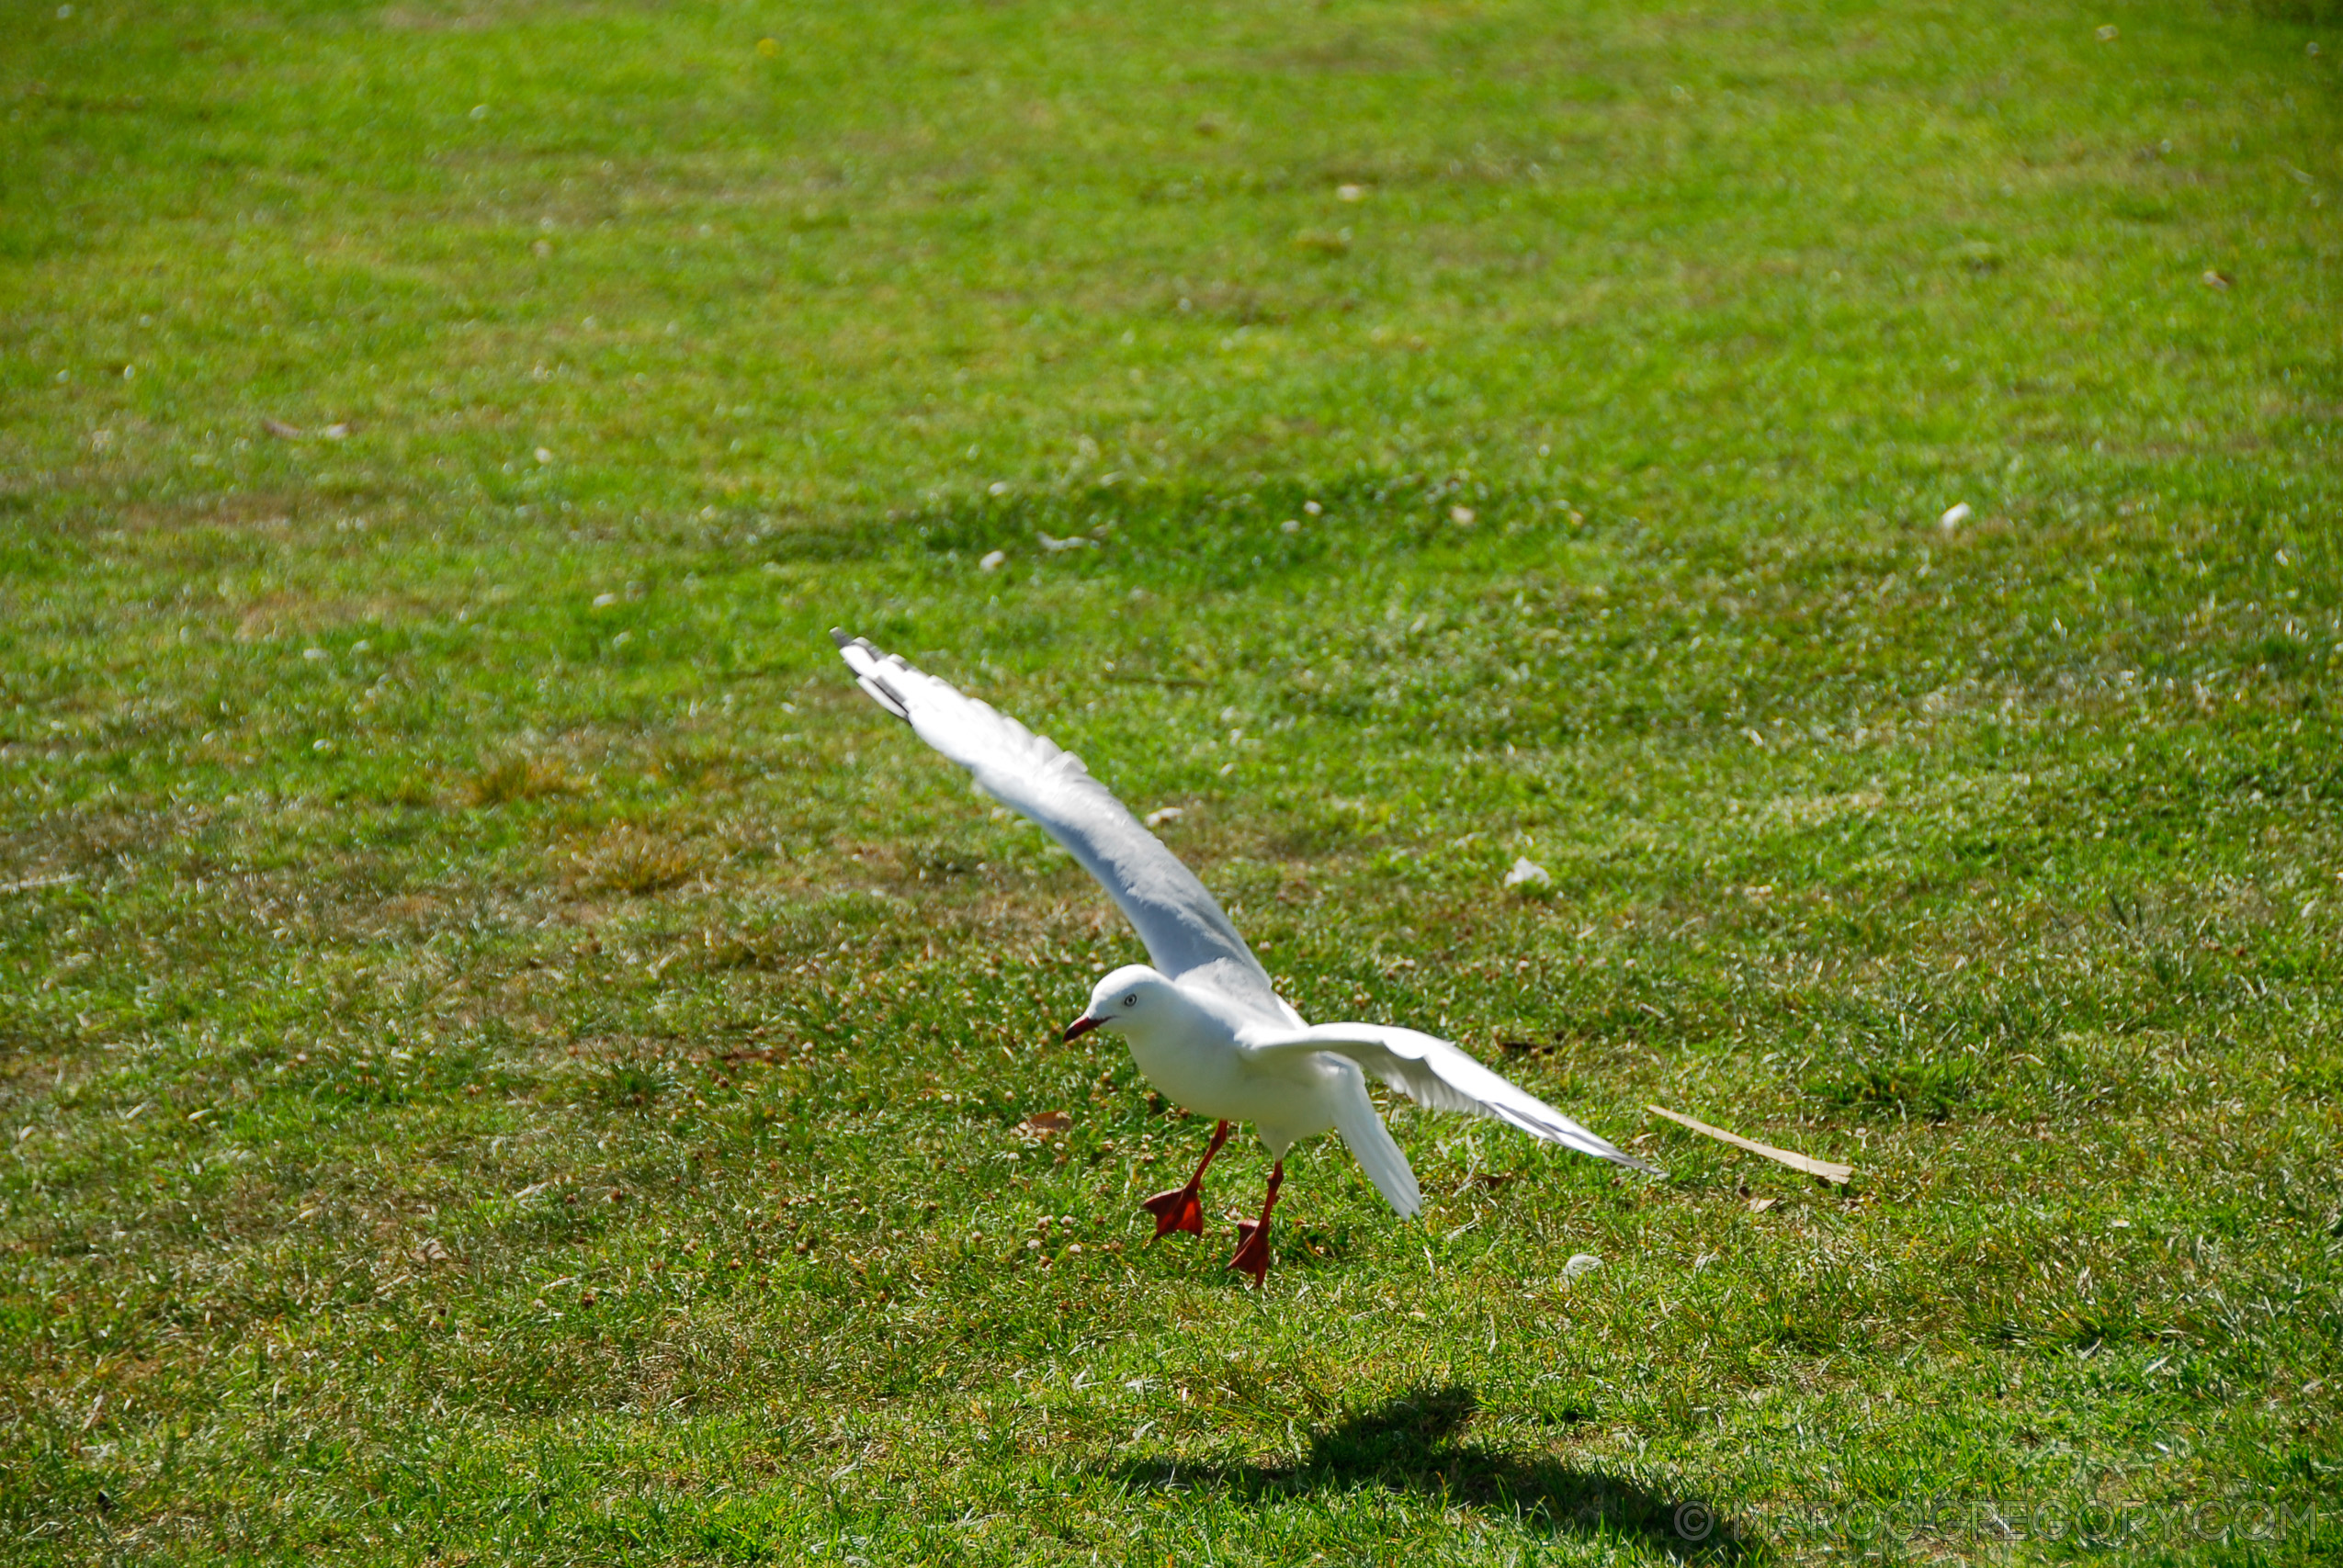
x=1181, y=1209
x=1252, y=1236
x=1252, y=1249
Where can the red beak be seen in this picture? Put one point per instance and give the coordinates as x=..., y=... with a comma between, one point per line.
x=1081, y=1027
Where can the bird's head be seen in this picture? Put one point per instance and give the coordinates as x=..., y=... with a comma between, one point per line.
x=1132, y=994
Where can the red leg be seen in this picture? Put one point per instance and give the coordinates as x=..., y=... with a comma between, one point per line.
x=1181, y=1209
x=1252, y=1236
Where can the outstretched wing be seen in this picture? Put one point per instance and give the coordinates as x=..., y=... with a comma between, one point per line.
x=1432, y=1072
x=1186, y=934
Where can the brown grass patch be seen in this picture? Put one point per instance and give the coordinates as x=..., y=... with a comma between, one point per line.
x=631, y=860
x=508, y=779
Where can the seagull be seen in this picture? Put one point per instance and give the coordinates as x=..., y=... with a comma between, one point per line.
x=1204, y=1024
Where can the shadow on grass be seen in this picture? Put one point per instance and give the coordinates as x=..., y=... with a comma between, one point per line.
x=1411, y=1443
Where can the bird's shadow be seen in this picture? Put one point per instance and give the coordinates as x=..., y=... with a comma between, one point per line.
x=1414, y=1442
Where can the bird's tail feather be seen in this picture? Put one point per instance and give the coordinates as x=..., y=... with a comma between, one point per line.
x=1371, y=1146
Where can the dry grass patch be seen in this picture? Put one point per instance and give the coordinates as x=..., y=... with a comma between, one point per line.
x=634, y=862
x=518, y=777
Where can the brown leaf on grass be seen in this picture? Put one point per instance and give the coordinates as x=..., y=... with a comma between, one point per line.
x=2215, y=278
x=1045, y=1124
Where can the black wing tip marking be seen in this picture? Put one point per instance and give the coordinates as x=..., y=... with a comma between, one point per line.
x=1626, y=1161
x=873, y=679
x=902, y=709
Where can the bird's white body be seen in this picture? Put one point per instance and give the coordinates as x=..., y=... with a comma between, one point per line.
x=1206, y=1025
x=1286, y=1101
x=1194, y=1054
x=1215, y=1053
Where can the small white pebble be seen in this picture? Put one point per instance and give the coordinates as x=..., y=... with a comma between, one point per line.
x=544, y=455
x=1955, y=514
x=998, y=487
x=1312, y=507
x=1528, y=872
x=992, y=559
x=312, y=653
x=1162, y=814
x=1580, y=1263
x=1349, y=193
x=1462, y=516
x=1291, y=526
x=604, y=601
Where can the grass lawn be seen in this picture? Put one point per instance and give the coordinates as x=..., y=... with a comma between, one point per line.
x=506, y=1057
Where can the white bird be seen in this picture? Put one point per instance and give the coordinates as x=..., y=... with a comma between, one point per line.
x=1205, y=1025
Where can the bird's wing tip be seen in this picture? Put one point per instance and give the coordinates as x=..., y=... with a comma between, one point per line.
x=838, y=635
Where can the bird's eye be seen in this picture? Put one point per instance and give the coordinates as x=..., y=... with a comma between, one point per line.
x=1131, y=1001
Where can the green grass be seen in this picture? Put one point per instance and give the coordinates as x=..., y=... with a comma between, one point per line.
x=506, y=1057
